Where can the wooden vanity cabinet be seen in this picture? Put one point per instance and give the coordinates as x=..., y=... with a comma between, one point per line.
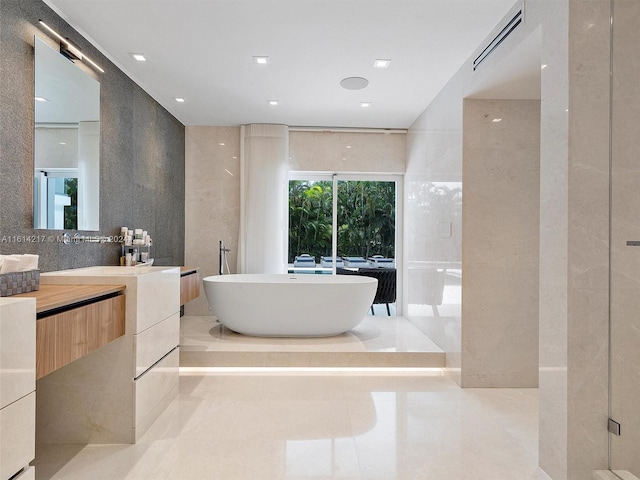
x=116, y=392
x=70, y=334
x=189, y=284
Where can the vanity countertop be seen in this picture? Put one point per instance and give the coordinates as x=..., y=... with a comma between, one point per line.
x=107, y=271
x=50, y=297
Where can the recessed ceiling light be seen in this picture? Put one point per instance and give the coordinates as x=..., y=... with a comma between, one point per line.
x=496, y=120
x=543, y=66
x=274, y=102
x=139, y=57
x=41, y=99
x=365, y=104
x=221, y=144
x=354, y=83
x=381, y=63
x=348, y=146
x=63, y=143
x=261, y=60
x=180, y=100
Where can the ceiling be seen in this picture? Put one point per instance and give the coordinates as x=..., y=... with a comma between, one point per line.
x=202, y=50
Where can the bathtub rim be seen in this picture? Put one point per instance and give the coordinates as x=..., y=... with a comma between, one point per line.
x=287, y=278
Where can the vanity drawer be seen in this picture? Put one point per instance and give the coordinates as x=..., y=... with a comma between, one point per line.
x=17, y=349
x=64, y=337
x=155, y=342
x=189, y=287
x=157, y=298
x=156, y=383
x=18, y=442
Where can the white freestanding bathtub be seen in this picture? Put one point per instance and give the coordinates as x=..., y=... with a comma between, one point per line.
x=281, y=305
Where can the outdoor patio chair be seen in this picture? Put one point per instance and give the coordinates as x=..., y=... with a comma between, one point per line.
x=386, y=291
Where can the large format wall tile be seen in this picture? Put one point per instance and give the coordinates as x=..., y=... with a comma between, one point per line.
x=625, y=224
x=574, y=48
x=212, y=205
x=500, y=243
x=347, y=152
x=433, y=223
x=141, y=161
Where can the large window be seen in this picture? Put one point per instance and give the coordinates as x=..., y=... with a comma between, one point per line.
x=366, y=218
x=310, y=218
x=350, y=218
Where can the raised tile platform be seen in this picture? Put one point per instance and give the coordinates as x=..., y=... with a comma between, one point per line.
x=376, y=342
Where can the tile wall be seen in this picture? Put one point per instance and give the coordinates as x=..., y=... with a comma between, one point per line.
x=574, y=230
x=500, y=243
x=212, y=205
x=625, y=226
x=142, y=152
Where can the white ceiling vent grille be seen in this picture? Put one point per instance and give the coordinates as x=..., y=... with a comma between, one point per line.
x=507, y=30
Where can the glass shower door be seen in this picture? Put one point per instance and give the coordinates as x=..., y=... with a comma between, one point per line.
x=624, y=393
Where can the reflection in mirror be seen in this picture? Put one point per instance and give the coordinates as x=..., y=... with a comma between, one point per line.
x=66, y=185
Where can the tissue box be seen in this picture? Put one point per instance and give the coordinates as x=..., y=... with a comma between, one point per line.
x=19, y=282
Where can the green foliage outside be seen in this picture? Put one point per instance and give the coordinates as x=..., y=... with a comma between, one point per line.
x=71, y=211
x=366, y=218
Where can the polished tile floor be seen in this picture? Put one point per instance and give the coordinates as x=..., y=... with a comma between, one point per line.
x=336, y=424
x=318, y=422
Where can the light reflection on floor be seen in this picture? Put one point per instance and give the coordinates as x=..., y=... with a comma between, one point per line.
x=307, y=426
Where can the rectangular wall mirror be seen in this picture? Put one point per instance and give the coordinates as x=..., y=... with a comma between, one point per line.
x=66, y=182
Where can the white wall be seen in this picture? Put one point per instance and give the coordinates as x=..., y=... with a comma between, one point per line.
x=573, y=265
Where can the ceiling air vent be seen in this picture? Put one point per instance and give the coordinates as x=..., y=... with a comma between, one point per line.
x=500, y=37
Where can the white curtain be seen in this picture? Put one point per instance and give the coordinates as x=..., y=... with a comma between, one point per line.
x=263, y=193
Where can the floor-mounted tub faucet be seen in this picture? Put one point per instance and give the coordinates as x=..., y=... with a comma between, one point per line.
x=223, y=258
